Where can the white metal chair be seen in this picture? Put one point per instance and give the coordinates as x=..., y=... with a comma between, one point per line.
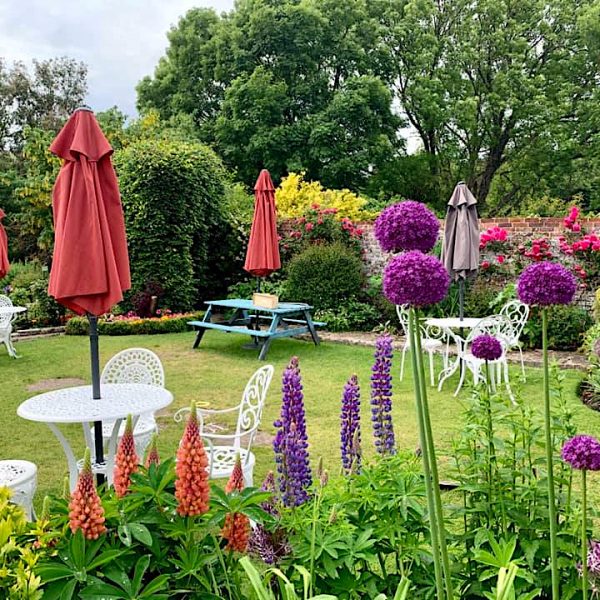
x=21, y=477
x=222, y=449
x=500, y=328
x=134, y=365
x=432, y=340
x=517, y=313
x=6, y=321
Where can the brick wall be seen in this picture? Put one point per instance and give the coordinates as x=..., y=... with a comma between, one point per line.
x=519, y=230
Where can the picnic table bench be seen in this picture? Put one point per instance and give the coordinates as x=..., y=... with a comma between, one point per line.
x=289, y=319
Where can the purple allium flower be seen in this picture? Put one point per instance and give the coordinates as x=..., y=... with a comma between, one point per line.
x=486, y=347
x=381, y=396
x=291, y=441
x=350, y=426
x=546, y=283
x=405, y=226
x=415, y=279
x=582, y=452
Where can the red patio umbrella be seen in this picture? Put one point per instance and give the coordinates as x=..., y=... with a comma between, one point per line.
x=4, y=264
x=90, y=264
x=262, y=256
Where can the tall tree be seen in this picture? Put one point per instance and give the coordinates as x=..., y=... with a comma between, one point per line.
x=42, y=98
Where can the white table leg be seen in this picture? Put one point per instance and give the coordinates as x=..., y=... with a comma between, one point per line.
x=71, y=460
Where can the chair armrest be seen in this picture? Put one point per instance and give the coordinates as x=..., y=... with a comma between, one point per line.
x=228, y=436
x=214, y=411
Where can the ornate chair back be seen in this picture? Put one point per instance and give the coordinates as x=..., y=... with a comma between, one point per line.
x=134, y=365
x=5, y=318
x=517, y=313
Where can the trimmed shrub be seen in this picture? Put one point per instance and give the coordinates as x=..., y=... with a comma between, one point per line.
x=324, y=276
x=80, y=325
x=172, y=194
x=567, y=326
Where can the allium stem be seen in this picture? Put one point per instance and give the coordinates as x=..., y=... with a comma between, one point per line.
x=584, y=558
x=550, y=460
x=435, y=479
x=435, y=548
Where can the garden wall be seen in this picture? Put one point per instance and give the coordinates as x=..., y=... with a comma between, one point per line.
x=519, y=230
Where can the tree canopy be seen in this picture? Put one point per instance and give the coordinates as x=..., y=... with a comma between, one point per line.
x=503, y=94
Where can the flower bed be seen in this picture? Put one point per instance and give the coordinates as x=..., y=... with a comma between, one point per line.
x=131, y=324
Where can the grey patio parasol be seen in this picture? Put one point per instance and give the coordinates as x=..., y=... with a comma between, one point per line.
x=460, y=252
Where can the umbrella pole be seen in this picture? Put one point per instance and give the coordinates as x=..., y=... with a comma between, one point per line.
x=95, y=364
x=461, y=314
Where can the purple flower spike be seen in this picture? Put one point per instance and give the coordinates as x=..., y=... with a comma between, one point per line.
x=350, y=426
x=381, y=396
x=546, y=283
x=415, y=279
x=486, y=347
x=405, y=226
x=582, y=452
x=291, y=441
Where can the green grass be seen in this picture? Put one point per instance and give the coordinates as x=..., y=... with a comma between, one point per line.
x=216, y=373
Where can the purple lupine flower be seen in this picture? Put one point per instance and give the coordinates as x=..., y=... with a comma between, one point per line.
x=291, y=441
x=546, y=283
x=407, y=225
x=270, y=546
x=415, y=279
x=486, y=347
x=582, y=452
x=350, y=426
x=381, y=396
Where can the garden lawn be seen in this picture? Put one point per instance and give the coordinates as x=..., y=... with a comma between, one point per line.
x=217, y=372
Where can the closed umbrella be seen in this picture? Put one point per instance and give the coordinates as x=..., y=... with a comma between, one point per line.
x=262, y=256
x=460, y=253
x=4, y=264
x=90, y=264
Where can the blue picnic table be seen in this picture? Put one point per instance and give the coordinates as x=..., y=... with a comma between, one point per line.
x=289, y=319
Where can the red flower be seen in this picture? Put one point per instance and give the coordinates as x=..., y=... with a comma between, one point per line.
x=236, y=529
x=485, y=264
x=85, y=509
x=191, y=484
x=126, y=461
x=500, y=258
x=309, y=226
x=576, y=227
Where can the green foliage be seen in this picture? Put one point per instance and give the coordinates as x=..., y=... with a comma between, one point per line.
x=149, y=551
x=27, y=285
x=352, y=315
x=17, y=558
x=324, y=276
x=176, y=232
x=504, y=507
x=567, y=326
x=133, y=326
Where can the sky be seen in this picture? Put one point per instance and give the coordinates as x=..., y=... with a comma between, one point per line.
x=119, y=40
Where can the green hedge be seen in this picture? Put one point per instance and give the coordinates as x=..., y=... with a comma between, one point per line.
x=80, y=326
x=172, y=195
x=325, y=276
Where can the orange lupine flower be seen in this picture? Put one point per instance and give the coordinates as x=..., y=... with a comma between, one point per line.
x=126, y=461
x=85, y=510
x=152, y=458
x=191, y=484
x=236, y=529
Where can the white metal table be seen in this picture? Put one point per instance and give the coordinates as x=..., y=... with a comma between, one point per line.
x=6, y=331
x=76, y=405
x=448, y=325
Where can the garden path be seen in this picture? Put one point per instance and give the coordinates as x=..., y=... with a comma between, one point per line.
x=532, y=358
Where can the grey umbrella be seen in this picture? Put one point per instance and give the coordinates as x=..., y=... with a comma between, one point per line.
x=460, y=252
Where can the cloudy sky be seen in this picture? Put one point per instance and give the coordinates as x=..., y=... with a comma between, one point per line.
x=119, y=40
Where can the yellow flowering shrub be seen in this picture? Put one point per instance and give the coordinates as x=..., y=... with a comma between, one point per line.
x=295, y=196
x=17, y=560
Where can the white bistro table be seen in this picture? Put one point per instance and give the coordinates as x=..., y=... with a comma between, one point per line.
x=6, y=329
x=449, y=325
x=76, y=405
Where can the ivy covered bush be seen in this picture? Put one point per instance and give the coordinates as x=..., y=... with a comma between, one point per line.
x=324, y=276
x=172, y=193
